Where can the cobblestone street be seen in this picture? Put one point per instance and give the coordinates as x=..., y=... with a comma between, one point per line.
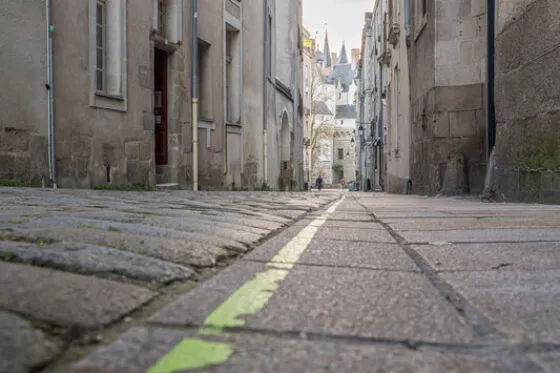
x=76, y=262
x=323, y=282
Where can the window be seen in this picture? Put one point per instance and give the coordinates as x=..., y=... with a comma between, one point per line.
x=108, y=54
x=340, y=153
x=269, y=46
x=233, y=75
x=205, y=81
x=100, y=45
x=162, y=18
x=168, y=21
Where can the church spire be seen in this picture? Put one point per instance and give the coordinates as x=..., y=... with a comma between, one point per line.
x=327, y=51
x=343, y=57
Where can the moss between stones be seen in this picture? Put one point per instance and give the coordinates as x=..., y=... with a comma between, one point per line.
x=49, y=329
x=541, y=151
x=126, y=188
x=14, y=184
x=7, y=256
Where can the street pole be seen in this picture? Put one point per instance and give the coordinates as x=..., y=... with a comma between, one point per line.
x=195, y=93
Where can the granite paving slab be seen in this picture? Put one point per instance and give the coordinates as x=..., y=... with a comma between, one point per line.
x=549, y=362
x=470, y=223
x=192, y=308
x=140, y=349
x=363, y=255
x=365, y=303
x=354, y=234
x=94, y=260
x=185, y=252
x=524, y=304
x=483, y=235
x=143, y=229
x=489, y=256
x=23, y=348
x=66, y=299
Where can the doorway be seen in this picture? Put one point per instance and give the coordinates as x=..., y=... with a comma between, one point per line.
x=160, y=108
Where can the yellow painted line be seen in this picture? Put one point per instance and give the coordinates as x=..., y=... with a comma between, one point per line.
x=249, y=299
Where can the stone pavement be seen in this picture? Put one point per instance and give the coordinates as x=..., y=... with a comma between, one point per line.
x=77, y=266
x=369, y=283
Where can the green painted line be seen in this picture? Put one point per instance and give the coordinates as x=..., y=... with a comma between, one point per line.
x=249, y=299
x=193, y=354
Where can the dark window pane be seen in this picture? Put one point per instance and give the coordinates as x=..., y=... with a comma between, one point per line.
x=99, y=79
x=99, y=13
x=99, y=36
x=100, y=58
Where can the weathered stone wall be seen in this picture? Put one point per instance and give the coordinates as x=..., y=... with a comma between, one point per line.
x=212, y=142
x=399, y=143
x=449, y=101
x=528, y=100
x=422, y=75
x=252, y=173
x=23, y=95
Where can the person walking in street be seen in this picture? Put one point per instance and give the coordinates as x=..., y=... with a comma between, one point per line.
x=319, y=183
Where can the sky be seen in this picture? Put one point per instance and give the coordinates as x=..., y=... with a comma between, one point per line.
x=344, y=19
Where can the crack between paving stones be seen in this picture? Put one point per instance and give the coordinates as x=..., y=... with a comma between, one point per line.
x=357, y=241
x=473, y=242
x=480, y=324
x=410, y=344
x=334, y=266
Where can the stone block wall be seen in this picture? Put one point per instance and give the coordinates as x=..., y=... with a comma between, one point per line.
x=448, y=102
x=23, y=95
x=528, y=101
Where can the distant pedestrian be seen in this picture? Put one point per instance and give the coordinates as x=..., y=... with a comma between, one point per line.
x=319, y=183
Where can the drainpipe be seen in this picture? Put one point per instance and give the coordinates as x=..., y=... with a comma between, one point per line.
x=50, y=92
x=491, y=75
x=195, y=92
x=265, y=93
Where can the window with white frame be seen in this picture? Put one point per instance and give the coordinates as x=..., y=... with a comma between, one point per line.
x=168, y=19
x=100, y=45
x=108, y=54
x=162, y=17
x=269, y=44
x=233, y=75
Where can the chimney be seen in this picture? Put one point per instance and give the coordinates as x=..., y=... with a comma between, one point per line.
x=355, y=56
x=334, y=57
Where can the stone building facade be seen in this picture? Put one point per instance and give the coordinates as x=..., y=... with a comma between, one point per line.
x=527, y=91
x=397, y=142
x=122, y=91
x=344, y=154
x=448, y=62
x=372, y=98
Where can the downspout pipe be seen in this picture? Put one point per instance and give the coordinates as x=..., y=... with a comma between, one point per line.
x=50, y=92
x=265, y=93
x=491, y=75
x=195, y=93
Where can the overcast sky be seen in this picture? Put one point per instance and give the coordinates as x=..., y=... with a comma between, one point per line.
x=344, y=19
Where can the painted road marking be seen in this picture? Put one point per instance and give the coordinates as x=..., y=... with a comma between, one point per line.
x=249, y=299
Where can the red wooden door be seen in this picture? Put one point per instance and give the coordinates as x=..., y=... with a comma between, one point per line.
x=160, y=106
